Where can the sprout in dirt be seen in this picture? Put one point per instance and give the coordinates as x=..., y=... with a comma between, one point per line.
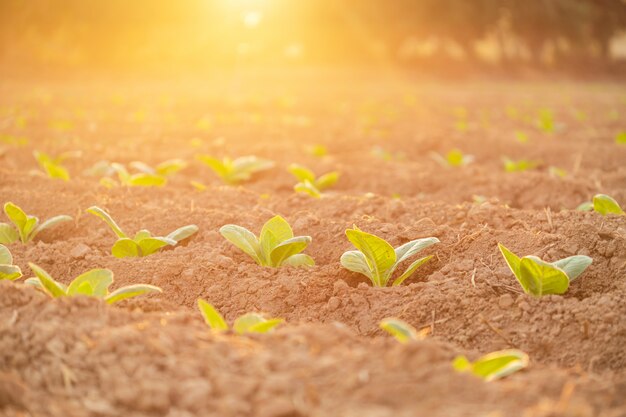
x=317, y=150
x=52, y=165
x=538, y=277
x=276, y=245
x=164, y=169
x=402, y=331
x=620, y=138
x=378, y=260
x=605, y=204
x=139, y=179
x=521, y=137
x=25, y=227
x=309, y=183
x=93, y=283
x=234, y=171
x=143, y=243
x=519, y=165
x=247, y=323
x=7, y=269
x=545, y=121
x=454, y=158
x=494, y=365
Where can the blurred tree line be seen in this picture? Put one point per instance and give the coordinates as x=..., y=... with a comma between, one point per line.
x=203, y=32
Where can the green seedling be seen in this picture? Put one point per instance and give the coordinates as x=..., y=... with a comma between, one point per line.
x=7, y=269
x=247, y=323
x=377, y=259
x=164, y=169
x=519, y=165
x=545, y=121
x=402, y=331
x=25, y=227
x=93, y=283
x=605, y=204
x=620, y=138
x=454, y=158
x=586, y=206
x=52, y=165
x=494, y=365
x=140, y=179
x=309, y=183
x=13, y=140
x=317, y=150
x=538, y=277
x=276, y=246
x=234, y=171
x=521, y=137
x=143, y=243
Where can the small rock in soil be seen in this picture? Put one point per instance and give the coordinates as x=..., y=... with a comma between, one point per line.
x=79, y=251
x=505, y=301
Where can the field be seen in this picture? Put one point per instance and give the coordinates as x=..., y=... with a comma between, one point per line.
x=154, y=355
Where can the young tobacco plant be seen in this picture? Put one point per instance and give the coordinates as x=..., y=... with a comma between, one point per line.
x=25, y=227
x=538, y=277
x=7, y=269
x=164, y=169
x=402, y=331
x=605, y=204
x=519, y=166
x=93, y=283
x=276, y=245
x=309, y=183
x=454, y=158
x=377, y=259
x=143, y=243
x=247, y=323
x=140, y=179
x=494, y=365
x=52, y=165
x=234, y=171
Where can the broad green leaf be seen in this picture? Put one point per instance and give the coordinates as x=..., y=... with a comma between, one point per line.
x=125, y=248
x=327, y=180
x=355, y=261
x=409, y=249
x=605, y=204
x=411, y=269
x=401, y=330
x=183, y=233
x=48, y=284
x=95, y=282
x=5, y=256
x=10, y=272
x=620, y=138
x=455, y=158
x=8, y=234
x=586, y=206
x=245, y=166
x=542, y=278
x=266, y=326
x=122, y=173
x=461, y=364
x=130, y=291
x=494, y=365
x=97, y=211
x=23, y=223
x=152, y=244
x=244, y=240
x=379, y=253
x=573, y=266
x=29, y=228
x=56, y=171
x=288, y=248
x=513, y=261
x=215, y=164
x=142, y=234
x=275, y=231
x=300, y=259
x=301, y=173
x=53, y=221
x=170, y=167
x=307, y=187
x=212, y=317
x=146, y=180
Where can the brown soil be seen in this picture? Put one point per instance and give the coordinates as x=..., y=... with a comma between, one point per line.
x=154, y=355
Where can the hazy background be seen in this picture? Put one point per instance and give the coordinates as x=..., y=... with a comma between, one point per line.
x=438, y=36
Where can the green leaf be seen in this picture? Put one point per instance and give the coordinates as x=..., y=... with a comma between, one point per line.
x=288, y=248
x=301, y=173
x=513, y=261
x=130, y=291
x=586, y=206
x=183, y=233
x=53, y=221
x=23, y=223
x=244, y=240
x=212, y=317
x=125, y=248
x=542, y=278
x=379, y=253
x=404, y=252
x=573, y=266
x=300, y=259
x=307, y=187
x=620, y=138
x=494, y=365
x=219, y=167
x=8, y=234
x=170, y=167
x=254, y=323
x=245, y=166
x=605, y=204
x=327, y=180
x=266, y=326
x=142, y=167
x=48, y=284
x=401, y=330
x=97, y=211
x=411, y=269
x=142, y=234
x=152, y=244
x=56, y=171
x=275, y=231
x=145, y=180
x=5, y=256
x=10, y=272
x=94, y=282
x=355, y=261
